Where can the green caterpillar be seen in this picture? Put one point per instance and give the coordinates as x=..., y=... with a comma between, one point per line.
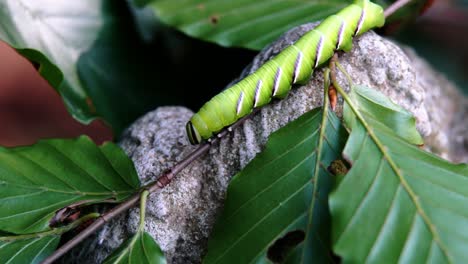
x=294, y=65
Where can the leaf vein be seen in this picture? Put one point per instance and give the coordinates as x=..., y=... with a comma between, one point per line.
x=374, y=180
x=382, y=227
x=270, y=185
x=259, y=221
x=78, y=166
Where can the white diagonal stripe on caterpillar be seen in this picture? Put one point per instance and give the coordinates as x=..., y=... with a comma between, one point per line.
x=276, y=82
x=340, y=33
x=318, y=51
x=240, y=102
x=258, y=89
x=360, y=22
x=297, y=66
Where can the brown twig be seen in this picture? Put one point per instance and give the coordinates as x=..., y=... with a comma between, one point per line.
x=92, y=228
x=395, y=7
x=160, y=183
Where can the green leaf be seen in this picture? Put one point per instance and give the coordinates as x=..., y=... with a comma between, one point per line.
x=376, y=107
x=398, y=203
x=242, y=23
x=33, y=250
x=54, y=35
x=124, y=76
x=141, y=248
x=283, y=194
x=37, y=180
x=90, y=52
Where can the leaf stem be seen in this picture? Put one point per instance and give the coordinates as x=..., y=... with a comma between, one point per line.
x=144, y=196
x=348, y=77
x=386, y=156
x=141, y=226
x=316, y=176
x=164, y=179
x=54, y=231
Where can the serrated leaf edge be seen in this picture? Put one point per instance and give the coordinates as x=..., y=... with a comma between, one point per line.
x=404, y=183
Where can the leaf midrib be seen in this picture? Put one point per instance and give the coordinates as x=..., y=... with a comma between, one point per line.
x=401, y=178
x=315, y=177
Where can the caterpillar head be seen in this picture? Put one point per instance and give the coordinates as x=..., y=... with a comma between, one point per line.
x=192, y=133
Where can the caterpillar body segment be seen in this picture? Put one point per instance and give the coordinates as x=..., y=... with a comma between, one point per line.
x=294, y=65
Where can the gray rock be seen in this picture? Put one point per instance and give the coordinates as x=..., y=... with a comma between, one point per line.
x=447, y=110
x=181, y=216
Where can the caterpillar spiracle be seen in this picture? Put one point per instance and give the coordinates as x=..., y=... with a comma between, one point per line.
x=293, y=65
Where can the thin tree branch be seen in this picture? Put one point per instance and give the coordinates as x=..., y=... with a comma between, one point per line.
x=92, y=228
x=395, y=7
x=160, y=183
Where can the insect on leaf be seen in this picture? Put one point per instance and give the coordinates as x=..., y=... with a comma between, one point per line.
x=276, y=207
x=403, y=204
x=38, y=180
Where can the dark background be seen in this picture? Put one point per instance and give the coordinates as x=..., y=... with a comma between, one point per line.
x=30, y=109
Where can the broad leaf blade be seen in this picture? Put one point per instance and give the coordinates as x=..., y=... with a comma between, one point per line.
x=37, y=180
x=242, y=23
x=91, y=53
x=282, y=190
x=141, y=248
x=124, y=76
x=54, y=34
x=376, y=107
x=33, y=250
x=403, y=204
